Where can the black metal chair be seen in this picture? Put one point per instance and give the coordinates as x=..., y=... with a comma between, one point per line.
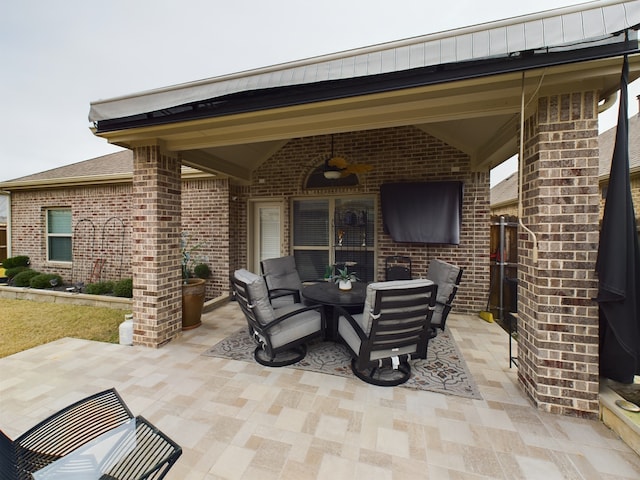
x=397, y=267
x=282, y=279
x=96, y=437
x=281, y=333
x=447, y=277
x=393, y=329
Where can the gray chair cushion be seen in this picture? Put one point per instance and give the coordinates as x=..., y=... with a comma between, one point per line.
x=444, y=275
x=261, y=306
x=348, y=334
x=281, y=273
x=298, y=326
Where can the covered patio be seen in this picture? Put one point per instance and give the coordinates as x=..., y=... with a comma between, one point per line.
x=239, y=420
x=445, y=106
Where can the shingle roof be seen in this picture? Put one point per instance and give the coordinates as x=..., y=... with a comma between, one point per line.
x=111, y=164
x=112, y=167
x=607, y=141
x=507, y=190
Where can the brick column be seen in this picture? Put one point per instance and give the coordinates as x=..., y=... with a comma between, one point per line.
x=558, y=329
x=156, y=247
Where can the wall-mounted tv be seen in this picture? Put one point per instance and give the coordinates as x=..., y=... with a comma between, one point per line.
x=422, y=212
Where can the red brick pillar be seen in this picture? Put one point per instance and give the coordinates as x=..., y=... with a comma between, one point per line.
x=558, y=329
x=156, y=247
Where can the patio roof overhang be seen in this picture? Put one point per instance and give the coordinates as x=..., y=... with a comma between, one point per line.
x=234, y=123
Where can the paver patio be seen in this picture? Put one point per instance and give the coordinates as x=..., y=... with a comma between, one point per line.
x=244, y=421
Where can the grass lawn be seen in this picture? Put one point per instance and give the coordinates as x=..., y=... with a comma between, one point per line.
x=25, y=324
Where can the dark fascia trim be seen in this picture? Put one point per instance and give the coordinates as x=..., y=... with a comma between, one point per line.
x=287, y=96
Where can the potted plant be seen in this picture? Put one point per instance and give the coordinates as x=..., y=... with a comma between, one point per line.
x=195, y=271
x=343, y=278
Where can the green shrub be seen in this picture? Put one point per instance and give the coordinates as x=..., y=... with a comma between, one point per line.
x=12, y=272
x=202, y=270
x=99, y=288
x=18, y=261
x=124, y=288
x=44, y=280
x=23, y=279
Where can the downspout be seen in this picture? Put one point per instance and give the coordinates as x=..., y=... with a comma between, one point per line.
x=521, y=169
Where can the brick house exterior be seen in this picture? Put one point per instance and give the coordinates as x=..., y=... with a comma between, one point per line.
x=396, y=154
x=211, y=216
x=442, y=106
x=95, y=206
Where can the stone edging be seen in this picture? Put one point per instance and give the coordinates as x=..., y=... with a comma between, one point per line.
x=43, y=295
x=106, y=301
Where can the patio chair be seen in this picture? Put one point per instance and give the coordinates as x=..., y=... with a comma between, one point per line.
x=397, y=267
x=281, y=334
x=96, y=437
x=393, y=329
x=282, y=279
x=447, y=277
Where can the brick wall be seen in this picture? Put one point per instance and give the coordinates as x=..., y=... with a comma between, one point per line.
x=205, y=215
x=101, y=217
x=397, y=154
x=558, y=329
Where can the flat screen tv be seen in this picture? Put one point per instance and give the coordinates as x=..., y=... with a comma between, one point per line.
x=422, y=212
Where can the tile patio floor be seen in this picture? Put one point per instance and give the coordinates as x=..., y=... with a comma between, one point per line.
x=238, y=420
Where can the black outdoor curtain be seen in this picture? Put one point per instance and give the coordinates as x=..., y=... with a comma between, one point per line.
x=618, y=263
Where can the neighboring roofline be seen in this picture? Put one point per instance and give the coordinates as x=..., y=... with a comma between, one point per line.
x=632, y=172
x=364, y=71
x=67, y=182
x=504, y=203
x=188, y=173
x=635, y=171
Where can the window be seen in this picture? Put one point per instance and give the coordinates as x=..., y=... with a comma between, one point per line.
x=59, y=235
x=315, y=226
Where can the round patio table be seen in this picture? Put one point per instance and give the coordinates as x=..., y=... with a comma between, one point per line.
x=329, y=295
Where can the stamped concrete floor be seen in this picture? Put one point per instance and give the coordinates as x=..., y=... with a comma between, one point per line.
x=238, y=420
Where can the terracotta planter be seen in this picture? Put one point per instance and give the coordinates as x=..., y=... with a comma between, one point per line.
x=192, y=302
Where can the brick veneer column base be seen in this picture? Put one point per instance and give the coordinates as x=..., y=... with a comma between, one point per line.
x=156, y=249
x=558, y=333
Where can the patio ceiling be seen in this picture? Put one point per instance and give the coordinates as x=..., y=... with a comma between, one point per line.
x=463, y=87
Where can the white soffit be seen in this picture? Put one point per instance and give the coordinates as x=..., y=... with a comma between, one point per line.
x=569, y=26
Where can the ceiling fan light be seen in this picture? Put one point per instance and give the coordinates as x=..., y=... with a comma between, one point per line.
x=332, y=174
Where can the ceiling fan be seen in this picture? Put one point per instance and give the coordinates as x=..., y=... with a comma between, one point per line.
x=337, y=167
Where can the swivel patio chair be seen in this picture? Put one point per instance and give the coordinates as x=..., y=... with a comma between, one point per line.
x=281, y=333
x=447, y=277
x=393, y=329
x=96, y=437
x=282, y=279
x=397, y=267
